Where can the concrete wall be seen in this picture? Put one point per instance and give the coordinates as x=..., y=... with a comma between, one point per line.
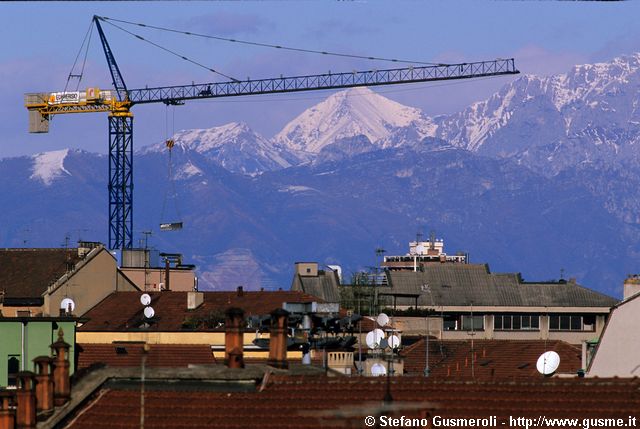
x=13, y=311
x=618, y=354
x=214, y=339
x=89, y=284
x=418, y=326
x=309, y=269
x=37, y=337
x=151, y=278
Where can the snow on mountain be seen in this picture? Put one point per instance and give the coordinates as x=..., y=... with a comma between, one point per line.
x=345, y=114
x=591, y=112
x=188, y=170
x=48, y=166
x=234, y=146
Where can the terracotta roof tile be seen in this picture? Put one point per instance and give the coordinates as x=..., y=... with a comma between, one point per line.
x=316, y=401
x=491, y=358
x=26, y=273
x=130, y=354
x=122, y=311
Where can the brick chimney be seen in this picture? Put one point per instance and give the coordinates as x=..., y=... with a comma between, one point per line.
x=26, y=401
x=278, y=339
x=7, y=417
x=234, y=338
x=61, y=382
x=44, y=384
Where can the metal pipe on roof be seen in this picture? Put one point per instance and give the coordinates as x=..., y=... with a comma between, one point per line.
x=22, y=346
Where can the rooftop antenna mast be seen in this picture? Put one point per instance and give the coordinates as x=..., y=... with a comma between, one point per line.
x=147, y=261
x=473, y=334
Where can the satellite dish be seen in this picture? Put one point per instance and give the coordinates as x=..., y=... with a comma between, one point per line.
x=145, y=299
x=374, y=337
x=383, y=319
x=548, y=363
x=149, y=312
x=420, y=249
x=378, y=370
x=394, y=341
x=67, y=304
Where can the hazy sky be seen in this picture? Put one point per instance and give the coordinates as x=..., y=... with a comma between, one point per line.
x=41, y=40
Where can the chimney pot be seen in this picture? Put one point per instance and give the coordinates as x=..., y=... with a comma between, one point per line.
x=194, y=300
x=240, y=291
x=26, y=401
x=234, y=338
x=7, y=416
x=61, y=382
x=278, y=339
x=44, y=384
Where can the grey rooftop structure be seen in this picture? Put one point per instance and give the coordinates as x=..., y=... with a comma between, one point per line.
x=463, y=285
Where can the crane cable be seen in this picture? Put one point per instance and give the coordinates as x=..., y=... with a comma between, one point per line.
x=170, y=51
x=170, y=191
x=85, y=44
x=268, y=45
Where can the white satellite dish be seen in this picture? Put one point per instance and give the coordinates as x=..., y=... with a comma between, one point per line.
x=145, y=299
x=548, y=363
x=374, y=337
x=149, y=312
x=67, y=304
x=394, y=341
x=378, y=370
x=383, y=319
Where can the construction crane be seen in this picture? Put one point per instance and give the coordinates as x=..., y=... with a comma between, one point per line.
x=118, y=103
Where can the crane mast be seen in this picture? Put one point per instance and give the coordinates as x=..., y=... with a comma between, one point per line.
x=118, y=103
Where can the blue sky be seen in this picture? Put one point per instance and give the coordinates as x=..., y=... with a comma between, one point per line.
x=40, y=42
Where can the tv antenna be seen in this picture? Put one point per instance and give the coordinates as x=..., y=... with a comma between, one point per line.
x=378, y=369
x=68, y=305
x=145, y=299
x=548, y=363
x=374, y=338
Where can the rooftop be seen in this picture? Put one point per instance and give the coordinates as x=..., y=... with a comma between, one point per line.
x=286, y=400
x=492, y=359
x=474, y=284
x=122, y=311
x=127, y=354
x=26, y=273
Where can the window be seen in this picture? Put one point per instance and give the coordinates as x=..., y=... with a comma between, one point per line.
x=571, y=322
x=13, y=366
x=463, y=322
x=516, y=322
x=472, y=323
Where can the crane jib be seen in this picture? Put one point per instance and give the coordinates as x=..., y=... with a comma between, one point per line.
x=118, y=102
x=324, y=81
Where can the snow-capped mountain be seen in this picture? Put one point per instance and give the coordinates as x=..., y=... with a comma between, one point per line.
x=234, y=146
x=346, y=114
x=557, y=154
x=591, y=113
x=47, y=166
